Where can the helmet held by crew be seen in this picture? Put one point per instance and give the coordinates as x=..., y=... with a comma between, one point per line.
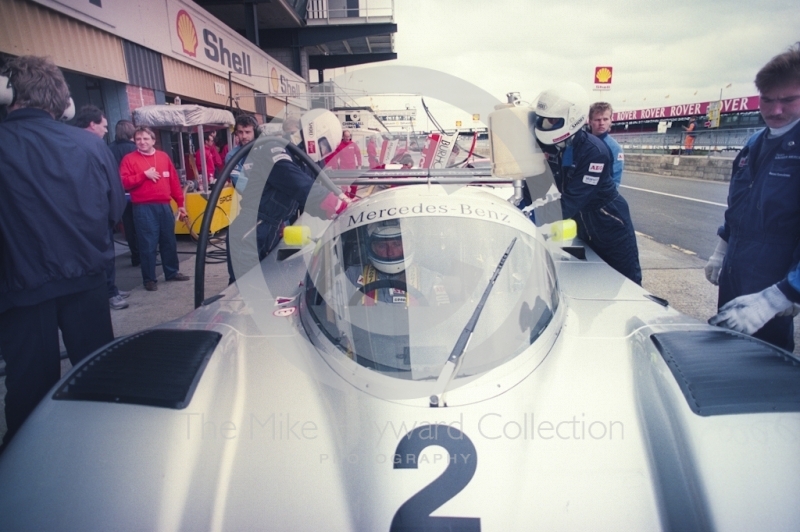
x=322, y=133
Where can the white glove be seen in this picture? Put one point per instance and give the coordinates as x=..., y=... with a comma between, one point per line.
x=749, y=313
x=793, y=311
x=714, y=264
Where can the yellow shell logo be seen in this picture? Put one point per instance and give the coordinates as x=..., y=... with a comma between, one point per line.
x=273, y=74
x=603, y=75
x=187, y=33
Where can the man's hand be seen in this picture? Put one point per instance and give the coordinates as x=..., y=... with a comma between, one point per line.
x=714, y=265
x=749, y=313
x=182, y=214
x=152, y=174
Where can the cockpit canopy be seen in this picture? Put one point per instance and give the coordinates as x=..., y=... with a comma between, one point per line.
x=392, y=284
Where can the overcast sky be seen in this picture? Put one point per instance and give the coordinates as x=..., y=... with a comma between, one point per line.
x=662, y=53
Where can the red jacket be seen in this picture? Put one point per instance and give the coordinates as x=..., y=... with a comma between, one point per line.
x=213, y=160
x=141, y=188
x=346, y=157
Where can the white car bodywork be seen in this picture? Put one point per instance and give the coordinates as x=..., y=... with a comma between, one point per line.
x=584, y=426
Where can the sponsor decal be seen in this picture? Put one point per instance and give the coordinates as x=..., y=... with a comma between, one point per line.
x=620, y=156
x=187, y=33
x=166, y=173
x=278, y=149
x=215, y=51
x=596, y=167
x=282, y=300
x=591, y=179
x=284, y=312
x=603, y=74
x=742, y=162
x=461, y=209
x=562, y=137
x=311, y=146
x=281, y=157
x=541, y=105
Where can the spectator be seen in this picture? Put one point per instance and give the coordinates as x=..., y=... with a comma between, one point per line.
x=209, y=151
x=688, y=143
x=600, y=124
x=407, y=161
x=346, y=157
x=372, y=152
x=150, y=177
x=123, y=145
x=581, y=168
x=94, y=121
x=55, y=212
x=755, y=262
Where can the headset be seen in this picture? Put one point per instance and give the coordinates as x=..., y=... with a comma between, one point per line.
x=8, y=96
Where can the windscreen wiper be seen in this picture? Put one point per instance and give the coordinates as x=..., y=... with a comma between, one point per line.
x=454, y=360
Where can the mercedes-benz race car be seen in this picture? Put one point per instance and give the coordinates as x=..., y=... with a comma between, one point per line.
x=429, y=360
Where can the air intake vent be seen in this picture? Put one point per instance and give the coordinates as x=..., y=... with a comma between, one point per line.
x=158, y=367
x=724, y=373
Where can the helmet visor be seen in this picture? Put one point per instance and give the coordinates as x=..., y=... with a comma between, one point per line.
x=544, y=123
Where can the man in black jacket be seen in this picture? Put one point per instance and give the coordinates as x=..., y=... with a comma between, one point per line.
x=61, y=193
x=123, y=145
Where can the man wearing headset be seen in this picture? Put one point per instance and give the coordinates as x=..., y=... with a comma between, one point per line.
x=275, y=186
x=61, y=193
x=582, y=171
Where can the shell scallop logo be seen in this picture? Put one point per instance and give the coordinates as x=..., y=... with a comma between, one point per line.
x=273, y=74
x=602, y=75
x=187, y=33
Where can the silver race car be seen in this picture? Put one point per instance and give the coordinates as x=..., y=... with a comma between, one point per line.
x=428, y=360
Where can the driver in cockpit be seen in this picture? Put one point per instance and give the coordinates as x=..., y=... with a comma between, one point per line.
x=390, y=275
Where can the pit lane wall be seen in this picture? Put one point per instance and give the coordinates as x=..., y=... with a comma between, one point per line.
x=694, y=166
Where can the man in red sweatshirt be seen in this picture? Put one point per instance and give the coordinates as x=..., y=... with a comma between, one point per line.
x=151, y=179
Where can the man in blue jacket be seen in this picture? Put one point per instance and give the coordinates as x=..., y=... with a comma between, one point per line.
x=760, y=239
x=581, y=167
x=600, y=124
x=61, y=193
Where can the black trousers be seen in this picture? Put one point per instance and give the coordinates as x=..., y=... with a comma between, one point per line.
x=29, y=344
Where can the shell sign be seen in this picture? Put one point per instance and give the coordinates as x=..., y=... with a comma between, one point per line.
x=275, y=80
x=602, y=77
x=187, y=33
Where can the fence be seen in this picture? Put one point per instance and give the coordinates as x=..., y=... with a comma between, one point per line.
x=710, y=142
x=325, y=10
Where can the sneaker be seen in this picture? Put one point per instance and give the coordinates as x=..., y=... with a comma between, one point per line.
x=179, y=277
x=150, y=286
x=124, y=294
x=117, y=303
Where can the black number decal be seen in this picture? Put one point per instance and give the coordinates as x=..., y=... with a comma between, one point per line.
x=415, y=513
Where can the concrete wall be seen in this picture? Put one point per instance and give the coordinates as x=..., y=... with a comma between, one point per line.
x=695, y=166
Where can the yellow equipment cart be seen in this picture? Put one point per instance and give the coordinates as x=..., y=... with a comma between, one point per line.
x=193, y=119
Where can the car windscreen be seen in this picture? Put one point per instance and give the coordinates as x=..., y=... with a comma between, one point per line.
x=394, y=296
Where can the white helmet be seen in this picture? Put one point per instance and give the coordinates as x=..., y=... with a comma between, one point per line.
x=322, y=133
x=386, y=249
x=560, y=113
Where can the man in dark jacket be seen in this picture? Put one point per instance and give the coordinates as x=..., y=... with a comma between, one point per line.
x=581, y=168
x=760, y=239
x=61, y=193
x=123, y=145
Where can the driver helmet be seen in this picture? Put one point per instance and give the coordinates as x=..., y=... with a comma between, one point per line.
x=386, y=249
x=560, y=113
x=322, y=133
